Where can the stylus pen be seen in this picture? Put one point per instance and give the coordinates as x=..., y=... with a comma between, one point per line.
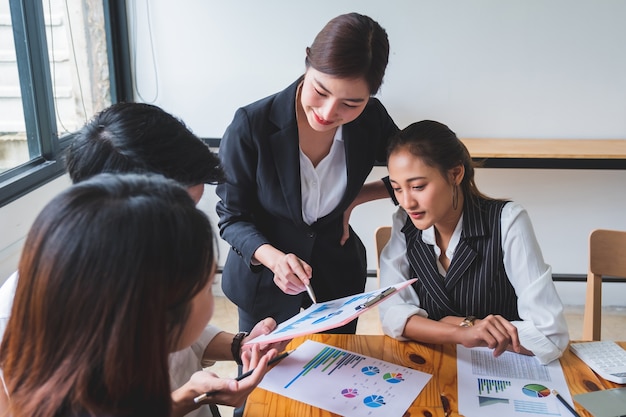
x=278, y=358
x=569, y=407
x=309, y=289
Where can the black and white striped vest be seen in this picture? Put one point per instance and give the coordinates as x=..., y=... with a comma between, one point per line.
x=476, y=283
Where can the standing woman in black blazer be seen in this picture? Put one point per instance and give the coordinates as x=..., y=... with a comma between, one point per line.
x=296, y=163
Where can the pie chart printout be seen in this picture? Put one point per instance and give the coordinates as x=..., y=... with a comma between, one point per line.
x=374, y=401
x=536, y=390
x=349, y=392
x=346, y=383
x=370, y=370
x=393, y=377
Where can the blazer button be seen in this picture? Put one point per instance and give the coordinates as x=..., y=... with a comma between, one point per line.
x=311, y=235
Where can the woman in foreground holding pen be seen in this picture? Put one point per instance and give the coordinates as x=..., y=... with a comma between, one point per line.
x=482, y=280
x=143, y=138
x=116, y=274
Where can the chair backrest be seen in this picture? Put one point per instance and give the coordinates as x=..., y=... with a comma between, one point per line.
x=607, y=256
x=381, y=235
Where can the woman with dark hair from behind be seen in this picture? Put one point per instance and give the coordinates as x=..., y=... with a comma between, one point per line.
x=143, y=138
x=116, y=273
x=140, y=137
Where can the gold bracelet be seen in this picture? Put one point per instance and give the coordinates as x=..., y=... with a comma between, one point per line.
x=468, y=321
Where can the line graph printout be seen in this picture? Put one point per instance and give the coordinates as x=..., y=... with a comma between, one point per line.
x=510, y=385
x=345, y=382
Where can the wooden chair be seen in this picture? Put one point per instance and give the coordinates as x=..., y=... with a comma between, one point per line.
x=381, y=235
x=607, y=256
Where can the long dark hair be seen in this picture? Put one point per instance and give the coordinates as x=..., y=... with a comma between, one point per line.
x=139, y=137
x=350, y=46
x=439, y=147
x=105, y=281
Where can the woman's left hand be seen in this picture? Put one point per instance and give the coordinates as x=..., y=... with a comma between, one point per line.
x=265, y=326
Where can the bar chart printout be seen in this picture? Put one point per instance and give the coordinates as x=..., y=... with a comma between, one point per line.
x=345, y=382
x=510, y=385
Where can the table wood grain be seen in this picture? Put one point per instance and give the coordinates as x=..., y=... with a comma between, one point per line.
x=437, y=360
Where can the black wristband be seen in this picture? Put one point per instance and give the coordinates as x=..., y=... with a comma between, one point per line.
x=235, y=347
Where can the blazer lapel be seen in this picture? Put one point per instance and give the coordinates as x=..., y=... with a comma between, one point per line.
x=352, y=132
x=286, y=149
x=474, y=226
x=464, y=255
x=429, y=276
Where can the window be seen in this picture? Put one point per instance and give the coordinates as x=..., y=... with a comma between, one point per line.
x=54, y=75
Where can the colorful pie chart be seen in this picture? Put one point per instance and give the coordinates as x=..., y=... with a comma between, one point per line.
x=393, y=377
x=536, y=390
x=349, y=392
x=370, y=370
x=374, y=401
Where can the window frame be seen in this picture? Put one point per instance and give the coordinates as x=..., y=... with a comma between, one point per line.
x=29, y=34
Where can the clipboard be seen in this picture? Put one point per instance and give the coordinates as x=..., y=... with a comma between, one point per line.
x=329, y=314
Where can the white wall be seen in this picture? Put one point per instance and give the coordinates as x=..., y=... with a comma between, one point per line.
x=514, y=69
x=16, y=219
x=488, y=68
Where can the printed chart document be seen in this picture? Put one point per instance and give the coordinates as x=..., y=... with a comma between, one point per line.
x=509, y=385
x=330, y=314
x=344, y=382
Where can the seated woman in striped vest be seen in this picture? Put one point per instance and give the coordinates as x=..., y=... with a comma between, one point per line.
x=482, y=280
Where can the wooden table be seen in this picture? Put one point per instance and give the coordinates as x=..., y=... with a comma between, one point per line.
x=438, y=360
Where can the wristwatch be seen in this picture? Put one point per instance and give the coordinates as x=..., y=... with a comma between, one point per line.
x=235, y=347
x=468, y=321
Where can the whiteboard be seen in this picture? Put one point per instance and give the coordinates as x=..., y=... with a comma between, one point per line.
x=487, y=68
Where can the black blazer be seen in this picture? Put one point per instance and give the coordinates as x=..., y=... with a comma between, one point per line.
x=260, y=202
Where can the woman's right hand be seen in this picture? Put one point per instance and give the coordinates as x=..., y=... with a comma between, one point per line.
x=291, y=274
x=493, y=331
x=226, y=391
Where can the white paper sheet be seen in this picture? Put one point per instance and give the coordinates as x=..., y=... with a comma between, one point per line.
x=345, y=382
x=330, y=314
x=509, y=385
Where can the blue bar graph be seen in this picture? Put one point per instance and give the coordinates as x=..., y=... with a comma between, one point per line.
x=486, y=386
x=329, y=359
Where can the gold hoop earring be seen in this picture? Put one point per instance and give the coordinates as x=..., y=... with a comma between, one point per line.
x=455, y=197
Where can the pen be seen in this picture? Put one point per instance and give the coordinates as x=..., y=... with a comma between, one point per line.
x=309, y=289
x=445, y=403
x=569, y=407
x=278, y=358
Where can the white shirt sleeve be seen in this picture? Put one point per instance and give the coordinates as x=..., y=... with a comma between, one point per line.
x=394, y=269
x=184, y=363
x=543, y=329
x=7, y=293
